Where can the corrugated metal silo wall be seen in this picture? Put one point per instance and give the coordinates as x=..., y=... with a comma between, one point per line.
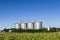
x=30, y=25
x=23, y=25
x=18, y=26
x=38, y=25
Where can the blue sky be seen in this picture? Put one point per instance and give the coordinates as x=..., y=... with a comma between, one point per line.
x=11, y=11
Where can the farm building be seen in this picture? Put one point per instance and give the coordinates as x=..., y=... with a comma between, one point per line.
x=29, y=25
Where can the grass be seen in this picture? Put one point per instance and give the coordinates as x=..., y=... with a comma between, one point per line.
x=30, y=36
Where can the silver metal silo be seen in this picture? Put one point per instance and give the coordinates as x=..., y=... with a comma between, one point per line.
x=30, y=25
x=38, y=25
x=23, y=25
x=18, y=25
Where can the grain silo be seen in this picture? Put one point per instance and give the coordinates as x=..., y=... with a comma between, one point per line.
x=38, y=25
x=23, y=25
x=30, y=25
x=18, y=25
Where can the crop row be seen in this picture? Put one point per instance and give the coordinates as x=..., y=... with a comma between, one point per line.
x=30, y=36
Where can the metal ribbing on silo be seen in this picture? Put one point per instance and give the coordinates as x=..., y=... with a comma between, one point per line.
x=18, y=25
x=38, y=25
x=23, y=25
x=30, y=25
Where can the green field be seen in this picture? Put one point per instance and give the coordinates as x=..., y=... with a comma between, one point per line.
x=30, y=36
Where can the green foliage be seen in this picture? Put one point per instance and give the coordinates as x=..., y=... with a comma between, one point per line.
x=1, y=38
x=30, y=36
x=31, y=30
